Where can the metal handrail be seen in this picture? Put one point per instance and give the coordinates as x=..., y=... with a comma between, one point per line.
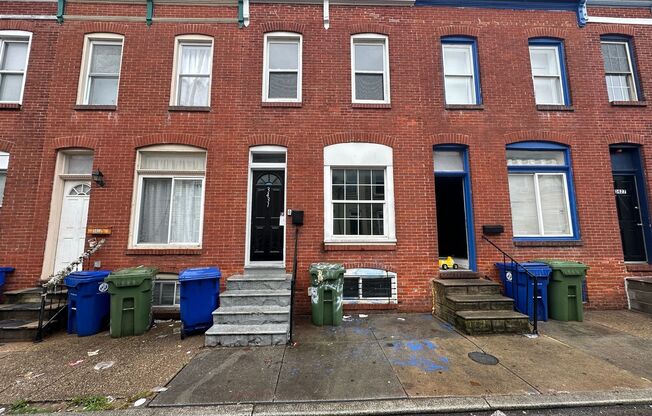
x=535, y=291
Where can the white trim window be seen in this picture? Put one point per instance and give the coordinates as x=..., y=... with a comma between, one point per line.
x=619, y=72
x=370, y=69
x=358, y=193
x=539, y=196
x=169, y=196
x=100, y=75
x=459, y=73
x=14, y=56
x=4, y=165
x=193, y=71
x=545, y=61
x=282, y=67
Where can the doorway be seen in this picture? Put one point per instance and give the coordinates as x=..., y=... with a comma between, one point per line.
x=455, y=238
x=72, y=225
x=631, y=203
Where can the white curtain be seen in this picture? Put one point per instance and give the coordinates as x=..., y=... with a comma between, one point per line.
x=173, y=161
x=186, y=211
x=525, y=220
x=155, y=211
x=553, y=204
x=194, y=75
x=3, y=179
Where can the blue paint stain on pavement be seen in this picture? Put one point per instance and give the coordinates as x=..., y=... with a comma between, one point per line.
x=419, y=354
x=447, y=326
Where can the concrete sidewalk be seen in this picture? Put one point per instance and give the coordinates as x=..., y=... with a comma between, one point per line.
x=411, y=356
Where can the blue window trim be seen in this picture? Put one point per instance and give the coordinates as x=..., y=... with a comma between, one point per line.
x=632, y=56
x=559, y=44
x=466, y=40
x=468, y=196
x=566, y=168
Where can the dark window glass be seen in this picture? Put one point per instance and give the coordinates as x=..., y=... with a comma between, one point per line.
x=268, y=158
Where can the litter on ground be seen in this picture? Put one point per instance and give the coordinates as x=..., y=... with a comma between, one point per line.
x=401, y=319
x=103, y=365
x=75, y=363
x=363, y=316
x=139, y=402
x=92, y=353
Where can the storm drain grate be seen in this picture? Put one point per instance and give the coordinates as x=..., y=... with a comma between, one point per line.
x=483, y=358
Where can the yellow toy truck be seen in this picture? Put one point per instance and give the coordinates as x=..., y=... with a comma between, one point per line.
x=448, y=263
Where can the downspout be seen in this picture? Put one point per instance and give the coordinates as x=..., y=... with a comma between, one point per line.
x=240, y=13
x=150, y=12
x=245, y=12
x=61, y=9
x=327, y=18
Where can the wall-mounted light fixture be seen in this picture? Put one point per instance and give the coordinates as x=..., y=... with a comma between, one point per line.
x=98, y=178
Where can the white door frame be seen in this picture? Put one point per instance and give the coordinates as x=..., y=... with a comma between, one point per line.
x=56, y=202
x=265, y=166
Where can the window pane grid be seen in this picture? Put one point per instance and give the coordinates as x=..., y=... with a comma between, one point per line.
x=282, y=69
x=13, y=61
x=103, y=72
x=370, y=77
x=619, y=72
x=358, y=202
x=546, y=74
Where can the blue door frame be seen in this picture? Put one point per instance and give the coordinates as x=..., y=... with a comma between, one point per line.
x=632, y=165
x=468, y=198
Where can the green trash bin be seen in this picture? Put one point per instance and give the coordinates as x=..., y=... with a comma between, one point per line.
x=326, y=293
x=131, y=300
x=565, y=289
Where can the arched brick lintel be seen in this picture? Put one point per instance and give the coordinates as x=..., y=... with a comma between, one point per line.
x=368, y=265
x=6, y=146
x=280, y=26
x=16, y=25
x=104, y=27
x=617, y=30
x=193, y=29
x=268, y=139
x=547, y=32
x=171, y=138
x=458, y=31
x=350, y=137
x=450, y=138
x=537, y=136
x=370, y=28
x=629, y=138
x=79, y=142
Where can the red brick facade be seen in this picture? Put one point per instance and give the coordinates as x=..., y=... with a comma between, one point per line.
x=414, y=122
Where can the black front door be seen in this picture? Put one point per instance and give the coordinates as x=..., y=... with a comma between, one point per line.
x=629, y=218
x=266, y=212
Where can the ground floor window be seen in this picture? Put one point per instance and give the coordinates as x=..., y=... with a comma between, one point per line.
x=170, y=196
x=370, y=286
x=540, y=190
x=4, y=164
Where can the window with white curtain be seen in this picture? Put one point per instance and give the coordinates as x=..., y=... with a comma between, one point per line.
x=546, y=60
x=539, y=193
x=100, y=74
x=460, y=77
x=170, y=196
x=370, y=68
x=191, y=83
x=282, y=73
x=14, y=52
x=619, y=71
x=4, y=165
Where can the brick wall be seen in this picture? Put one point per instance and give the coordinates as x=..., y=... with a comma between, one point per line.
x=415, y=122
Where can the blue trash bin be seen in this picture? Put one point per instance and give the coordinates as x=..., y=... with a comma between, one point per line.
x=89, y=302
x=522, y=287
x=4, y=271
x=200, y=296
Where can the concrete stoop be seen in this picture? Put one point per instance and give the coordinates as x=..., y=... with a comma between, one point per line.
x=19, y=314
x=475, y=306
x=254, y=310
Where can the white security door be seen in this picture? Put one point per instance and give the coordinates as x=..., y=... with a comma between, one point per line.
x=72, y=228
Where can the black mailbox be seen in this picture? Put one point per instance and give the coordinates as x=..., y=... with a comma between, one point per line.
x=493, y=229
x=297, y=217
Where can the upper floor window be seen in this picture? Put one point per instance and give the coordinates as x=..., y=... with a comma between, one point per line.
x=461, y=75
x=169, y=196
x=541, y=191
x=191, y=81
x=100, y=75
x=14, y=52
x=4, y=164
x=548, y=72
x=358, y=193
x=370, y=68
x=619, y=68
x=282, y=74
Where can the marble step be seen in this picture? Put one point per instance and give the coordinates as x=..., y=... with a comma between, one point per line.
x=248, y=282
x=255, y=298
x=247, y=335
x=251, y=315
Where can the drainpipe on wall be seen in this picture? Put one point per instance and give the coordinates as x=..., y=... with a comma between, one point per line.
x=61, y=8
x=327, y=18
x=150, y=12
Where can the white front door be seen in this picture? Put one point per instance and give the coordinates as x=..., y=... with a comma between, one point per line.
x=72, y=227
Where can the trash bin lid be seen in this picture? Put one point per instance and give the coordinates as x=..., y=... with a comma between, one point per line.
x=325, y=271
x=133, y=276
x=566, y=267
x=76, y=278
x=6, y=269
x=536, y=268
x=199, y=273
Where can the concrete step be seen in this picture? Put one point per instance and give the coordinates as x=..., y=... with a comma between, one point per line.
x=18, y=330
x=466, y=286
x=491, y=322
x=248, y=282
x=251, y=315
x=247, y=335
x=639, y=293
x=255, y=298
x=459, y=274
x=21, y=311
x=265, y=271
x=479, y=302
x=32, y=295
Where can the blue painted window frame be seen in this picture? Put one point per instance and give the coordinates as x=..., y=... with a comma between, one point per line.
x=561, y=54
x=629, y=41
x=468, y=196
x=566, y=168
x=473, y=42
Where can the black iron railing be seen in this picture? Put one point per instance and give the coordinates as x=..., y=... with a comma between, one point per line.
x=54, y=304
x=535, y=291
